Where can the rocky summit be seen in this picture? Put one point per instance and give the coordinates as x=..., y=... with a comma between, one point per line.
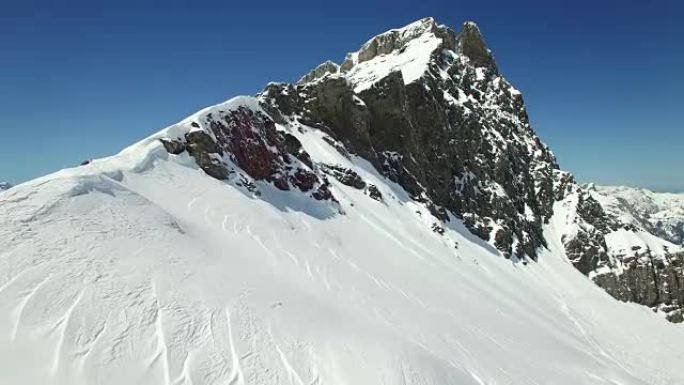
x=427, y=107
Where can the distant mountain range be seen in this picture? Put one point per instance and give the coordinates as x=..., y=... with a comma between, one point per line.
x=662, y=214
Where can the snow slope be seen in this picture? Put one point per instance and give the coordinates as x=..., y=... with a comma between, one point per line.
x=141, y=269
x=412, y=60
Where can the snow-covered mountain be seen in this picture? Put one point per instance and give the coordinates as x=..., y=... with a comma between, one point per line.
x=393, y=219
x=4, y=186
x=662, y=214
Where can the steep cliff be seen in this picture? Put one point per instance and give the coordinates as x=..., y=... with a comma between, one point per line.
x=620, y=255
x=429, y=109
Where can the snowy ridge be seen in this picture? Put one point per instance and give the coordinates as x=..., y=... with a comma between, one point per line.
x=143, y=268
x=662, y=214
x=406, y=50
x=412, y=61
x=120, y=281
x=628, y=236
x=625, y=258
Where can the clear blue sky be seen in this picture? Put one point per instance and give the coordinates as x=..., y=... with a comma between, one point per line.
x=603, y=80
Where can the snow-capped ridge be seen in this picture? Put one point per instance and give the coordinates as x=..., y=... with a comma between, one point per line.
x=392, y=40
x=662, y=214
x=407, y=50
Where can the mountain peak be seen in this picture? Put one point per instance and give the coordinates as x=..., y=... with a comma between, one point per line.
x=472, y=45
x=327, y=67
x=407, y=50
x=391, y=41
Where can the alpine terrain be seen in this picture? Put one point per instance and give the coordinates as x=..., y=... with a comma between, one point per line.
x=393, y=219
x=661, y=214
x=4, y=186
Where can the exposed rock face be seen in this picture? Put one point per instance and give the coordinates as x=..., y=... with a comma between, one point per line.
x=345, y=175
x=396, y=39
x=457, y=138
x=621, y=257
x=657, y=282
x=472, y=45
x=661, y=214
x=323, y=69
x=250, y=140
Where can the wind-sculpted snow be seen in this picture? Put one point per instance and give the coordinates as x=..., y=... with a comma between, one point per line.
x=162, y=275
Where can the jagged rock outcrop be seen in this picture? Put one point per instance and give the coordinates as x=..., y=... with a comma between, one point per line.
x=661, y=214
x=472, y=45
x=323, y=69
x=657, y=282
x=620, y=256
x=249, y=139
x=456, y=137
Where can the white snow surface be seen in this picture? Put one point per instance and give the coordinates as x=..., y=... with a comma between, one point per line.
x=418, y=43
x=141, y=269
x=412, y=61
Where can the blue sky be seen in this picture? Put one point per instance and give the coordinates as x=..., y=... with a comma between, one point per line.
x=603, y=80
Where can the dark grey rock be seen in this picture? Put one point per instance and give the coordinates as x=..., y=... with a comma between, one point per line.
x=320, y=71
x=374, y=193
x=173, y=146
x=346, y=176
x=472, y=45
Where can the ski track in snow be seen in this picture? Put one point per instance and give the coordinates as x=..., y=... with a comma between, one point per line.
x=18, y=311
x=236, y=376
x=62, y=324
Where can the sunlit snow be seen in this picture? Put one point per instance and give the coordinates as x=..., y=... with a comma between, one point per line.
x=141, y=269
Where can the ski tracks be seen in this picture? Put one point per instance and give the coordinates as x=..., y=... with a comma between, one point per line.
x=19, y=310
x=62, y=324
x=236, y=375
